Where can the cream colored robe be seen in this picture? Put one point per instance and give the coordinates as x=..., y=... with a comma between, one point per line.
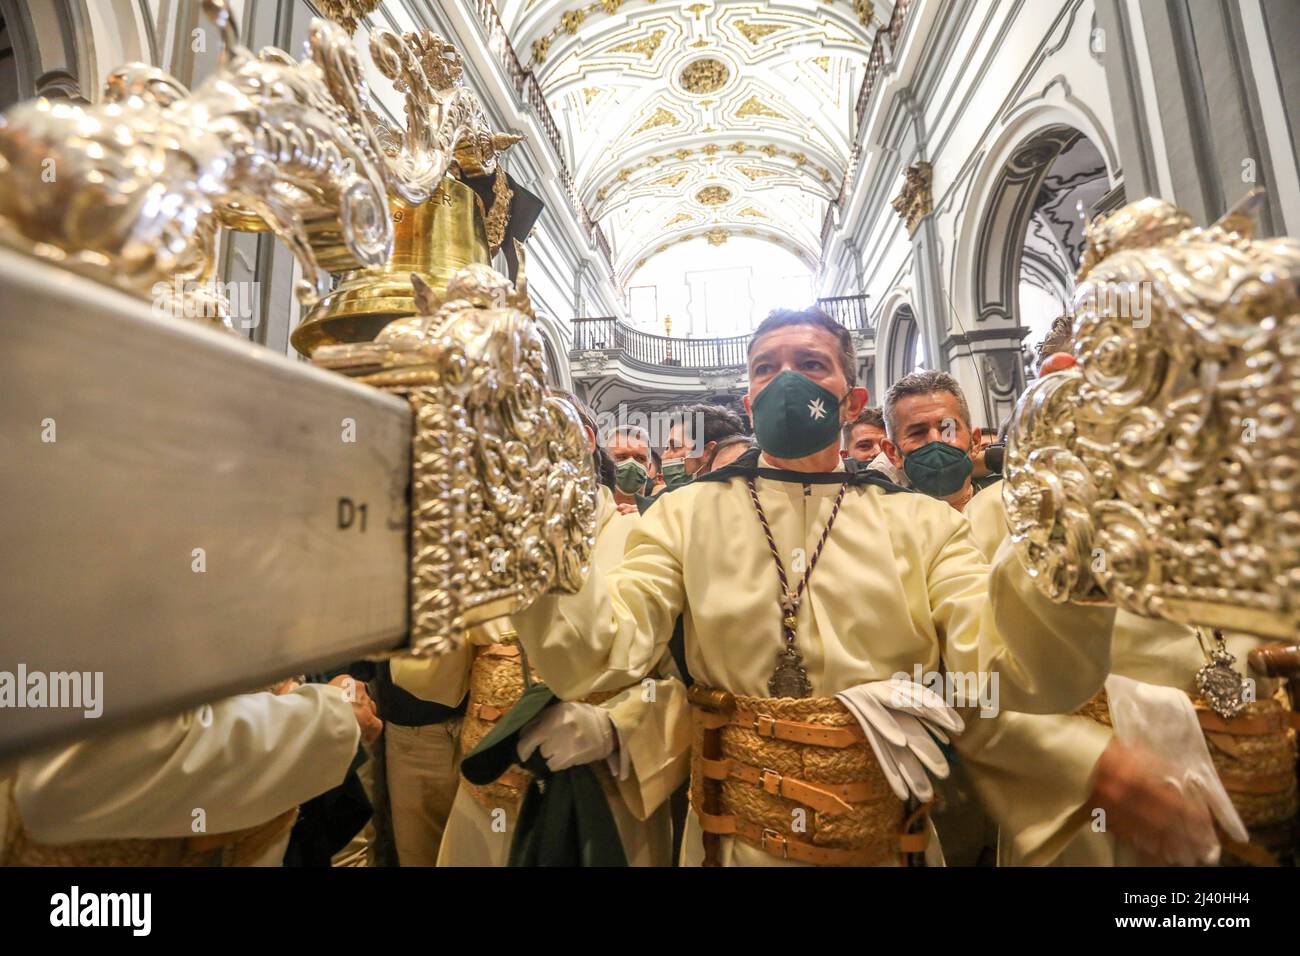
x=258, y=756
x=1035, y=772
x=651, y=718
x=899, y=583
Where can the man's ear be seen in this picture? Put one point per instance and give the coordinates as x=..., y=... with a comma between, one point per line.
x=749, y=412
x=891, y=452
x=844, y=454
x=857, y=402
x=591, y=438
x=974, y=441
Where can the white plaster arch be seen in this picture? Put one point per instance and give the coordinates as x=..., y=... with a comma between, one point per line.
x=556, y=339
x=896, y=304
x=1035, y=115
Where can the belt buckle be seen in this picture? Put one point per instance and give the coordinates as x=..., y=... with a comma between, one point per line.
x=759, y=720
x=775, y=835
x=775, y=788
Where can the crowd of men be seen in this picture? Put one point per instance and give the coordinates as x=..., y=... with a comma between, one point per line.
x=804, y=640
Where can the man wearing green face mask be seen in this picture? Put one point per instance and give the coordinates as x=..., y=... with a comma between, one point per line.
x=801, y=589
x=630, y=449
x=929, y=438
x=695, y=432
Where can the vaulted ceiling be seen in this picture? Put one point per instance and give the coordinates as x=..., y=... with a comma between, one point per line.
x=701, y=117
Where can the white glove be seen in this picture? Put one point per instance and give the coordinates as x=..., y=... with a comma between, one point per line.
x=569, y=734
x=1162, y=721
x=899, y=718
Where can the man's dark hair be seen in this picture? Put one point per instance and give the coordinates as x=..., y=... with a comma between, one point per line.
x=717, y=422
x=868, y=416
x=724, y=443
x=818, y=319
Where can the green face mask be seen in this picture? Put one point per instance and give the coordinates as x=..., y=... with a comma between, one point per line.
x=631, y=476
x=937, y=469
x=794, y=416
x=675, y=473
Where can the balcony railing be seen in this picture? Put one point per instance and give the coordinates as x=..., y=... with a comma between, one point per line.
x=609, y=334
x=530, y=91
x=888, y=34
x=849, y=311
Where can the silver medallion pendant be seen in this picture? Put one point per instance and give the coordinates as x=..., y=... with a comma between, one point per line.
x=1221, y=686
x=789, y=679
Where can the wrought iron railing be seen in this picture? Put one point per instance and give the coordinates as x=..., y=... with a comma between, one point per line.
x=888, y=34
x=849, y=311
x=609, y=334
x=530, y=92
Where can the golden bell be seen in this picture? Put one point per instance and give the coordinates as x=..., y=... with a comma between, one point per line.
x=435, y=239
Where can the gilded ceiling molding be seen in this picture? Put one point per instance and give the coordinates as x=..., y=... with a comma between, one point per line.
x=704, y=76
x=756, y=107
x=865, y=10
x=713, y=196
x=720, y=234
x=671, y=180
x=755, y=33
x=660, y=117
x=569, y=23
x=646, y=46
x=709, y=151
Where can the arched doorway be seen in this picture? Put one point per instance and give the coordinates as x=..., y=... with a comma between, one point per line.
x=45, y=50
x=1027, y=250
x=906, y=350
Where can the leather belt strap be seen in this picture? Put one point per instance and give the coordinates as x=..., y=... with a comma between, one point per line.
x=830, y=798
x=788, y=848
x=791, y=731
x=1243, y=725
x=1256, y=782
x=485, y=712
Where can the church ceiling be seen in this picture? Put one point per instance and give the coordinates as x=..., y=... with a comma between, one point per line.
x=712, y=118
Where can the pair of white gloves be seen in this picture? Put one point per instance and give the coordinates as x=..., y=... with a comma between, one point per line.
x=902, y=721
x=570, y=734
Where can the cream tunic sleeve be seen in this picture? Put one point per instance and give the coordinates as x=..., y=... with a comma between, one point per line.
x=242, y=761
x=1034, y=773
x=614, y=630
x=653, y=721
x=1046, y=657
